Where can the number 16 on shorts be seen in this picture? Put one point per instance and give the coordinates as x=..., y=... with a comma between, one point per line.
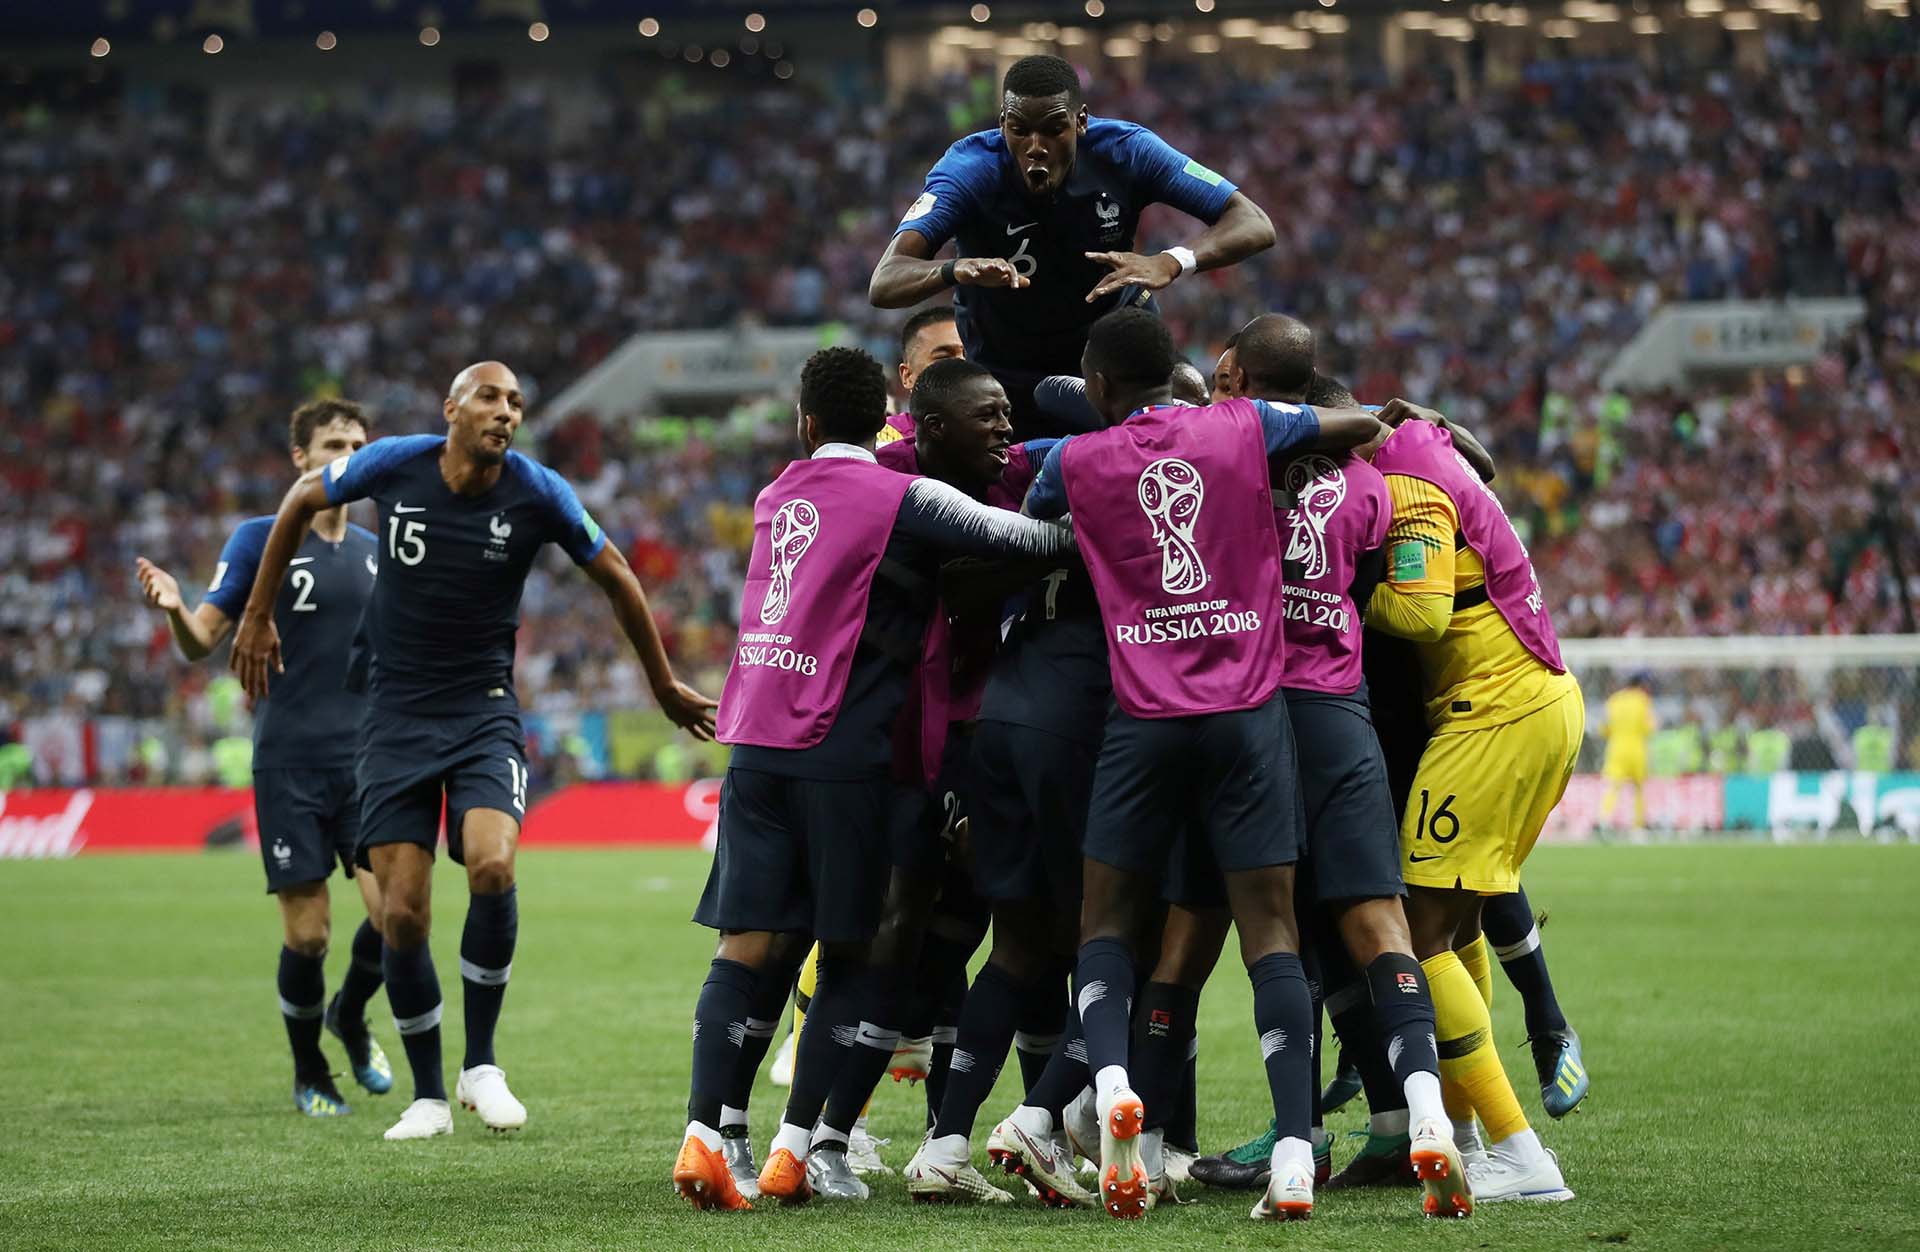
x=1436, y=823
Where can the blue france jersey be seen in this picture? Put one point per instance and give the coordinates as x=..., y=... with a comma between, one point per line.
x=442, y=620
x=975, y=195
x=309, y=718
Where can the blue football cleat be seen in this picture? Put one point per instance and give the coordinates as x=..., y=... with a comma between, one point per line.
x=319, y=1099
x=371, y=1069
x=1563, y=1075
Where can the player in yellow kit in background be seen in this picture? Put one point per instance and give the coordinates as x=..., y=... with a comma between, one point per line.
x=1630, y=723
x=1506, y=731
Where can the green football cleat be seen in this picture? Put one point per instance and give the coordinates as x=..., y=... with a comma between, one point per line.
x=1381, y=1162
x=1563, y=1075
x=371, y=1069
x=319, y=1098
x=1342, y=1088
x=1244, y=1168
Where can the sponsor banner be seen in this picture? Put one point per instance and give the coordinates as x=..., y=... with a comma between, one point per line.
x=1691, y=802
x=56, y=822
x=591, y=814
x=59, y=822
x=1834, y=800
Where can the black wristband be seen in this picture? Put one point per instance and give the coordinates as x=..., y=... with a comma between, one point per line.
x=946, y=274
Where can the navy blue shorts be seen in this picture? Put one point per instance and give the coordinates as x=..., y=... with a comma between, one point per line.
x=803, y=855
x=1028, y=825
x=408, y=764
x=308, y=819
x=1230, y=776
x=1353, y=837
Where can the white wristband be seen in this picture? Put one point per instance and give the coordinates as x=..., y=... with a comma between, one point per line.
x=1188, y=262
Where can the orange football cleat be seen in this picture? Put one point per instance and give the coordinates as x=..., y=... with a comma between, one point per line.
x=784, y=1177
x=703, y=1178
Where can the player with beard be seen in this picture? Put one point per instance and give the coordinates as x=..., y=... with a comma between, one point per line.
x=462, y=518
x=1043, y=211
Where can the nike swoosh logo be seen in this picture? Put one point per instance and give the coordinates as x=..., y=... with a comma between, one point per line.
x=1014, y=230
x=300, y=560
x=1415, y=857
x=401, y=508
x=371, y=567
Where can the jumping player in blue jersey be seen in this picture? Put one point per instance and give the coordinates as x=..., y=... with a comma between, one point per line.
x=1042, y=212
x=461, y=520
x=303, y=787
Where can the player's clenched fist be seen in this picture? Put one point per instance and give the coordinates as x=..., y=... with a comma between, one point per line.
x=987, y=271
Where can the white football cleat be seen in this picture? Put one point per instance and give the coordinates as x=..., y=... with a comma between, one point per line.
x=1024, y=1146
x=483, y=1090
x=863, y=1151
x=912, y=1059
x=1289, y=1194
x=1442, y=1175
x=1501, y=1177
x=942, y=1172
x=424, y=1119
x=1180, y=1164
x=1124, y=1188
x=1080, y=1122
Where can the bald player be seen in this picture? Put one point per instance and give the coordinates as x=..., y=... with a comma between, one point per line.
x=461, y=519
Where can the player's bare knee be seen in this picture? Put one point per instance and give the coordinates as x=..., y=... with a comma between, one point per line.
x=309, y=939
x=1373, y=928
x=407, y=925
x=490, y=875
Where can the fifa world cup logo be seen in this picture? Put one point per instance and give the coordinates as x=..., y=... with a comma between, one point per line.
x=1170, y=496
x=794, y=528
x=1319, y=487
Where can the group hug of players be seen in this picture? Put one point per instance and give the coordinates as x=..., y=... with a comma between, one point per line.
x=1111, y=739
x=1106, y=690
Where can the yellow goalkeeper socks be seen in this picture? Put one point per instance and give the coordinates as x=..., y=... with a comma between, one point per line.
x=1470, y=1069
x=1479, y=968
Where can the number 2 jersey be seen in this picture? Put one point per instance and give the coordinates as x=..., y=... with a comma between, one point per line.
x=309, y=719
x=442, y=619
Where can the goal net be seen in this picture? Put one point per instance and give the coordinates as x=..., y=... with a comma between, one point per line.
x=1791, y=737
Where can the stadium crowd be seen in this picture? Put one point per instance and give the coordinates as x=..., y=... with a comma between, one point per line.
x=169, y=290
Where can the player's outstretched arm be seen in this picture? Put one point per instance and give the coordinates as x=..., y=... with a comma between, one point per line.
x=684, y=707
x=197, y=631
x=1242, y=229
x=1396, y=411
x=256, y=641
x=1346, y=428
x=908, y=274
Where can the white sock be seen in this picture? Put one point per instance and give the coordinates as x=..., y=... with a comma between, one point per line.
x=1109, y=1083
x=1035, y=1121
x=1390, y=1123
x=1320, y=1135
x=793, y=1138
x=1423, y=1097
x=1291, y=1154
x=950, y=1149
x=704, y=1133
x=730, y=1116
x=1521, y=1147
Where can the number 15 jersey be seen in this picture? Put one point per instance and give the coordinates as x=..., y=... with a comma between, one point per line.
x=443, y=616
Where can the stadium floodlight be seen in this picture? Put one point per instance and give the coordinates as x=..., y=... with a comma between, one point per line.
x=429, y=36
x=867, y=17
x=649, y=27
x=1205, y=45
x=783, y=69
x=1240, y=28
x=1705, y=8
x=1741, y=21
x=1095, y=8
x=1647, y=24
x=1419, y=19
x=1162, y=32
x=1072, y=36
x=1120, y=48
x=756, y=22
x=980, y=13
x=538, y=32
x=1329, y=24
x=101, y=47
x=212, y=45
x=1204, y=6
x=719, y=58
x=1560, y=28
x=326, y=41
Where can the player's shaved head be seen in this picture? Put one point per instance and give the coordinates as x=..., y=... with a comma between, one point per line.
x=1189, y=384
x=1330, y=393
x=487, y=371
x=1275, y=352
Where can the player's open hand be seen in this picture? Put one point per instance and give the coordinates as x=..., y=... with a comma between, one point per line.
x=1131, y=268
x=988, y=271
x=158, y=586
x=1396, y=411
x=687, y=709
x=256, y=653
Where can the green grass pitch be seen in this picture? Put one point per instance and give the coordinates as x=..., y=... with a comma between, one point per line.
x=1750, y=1016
